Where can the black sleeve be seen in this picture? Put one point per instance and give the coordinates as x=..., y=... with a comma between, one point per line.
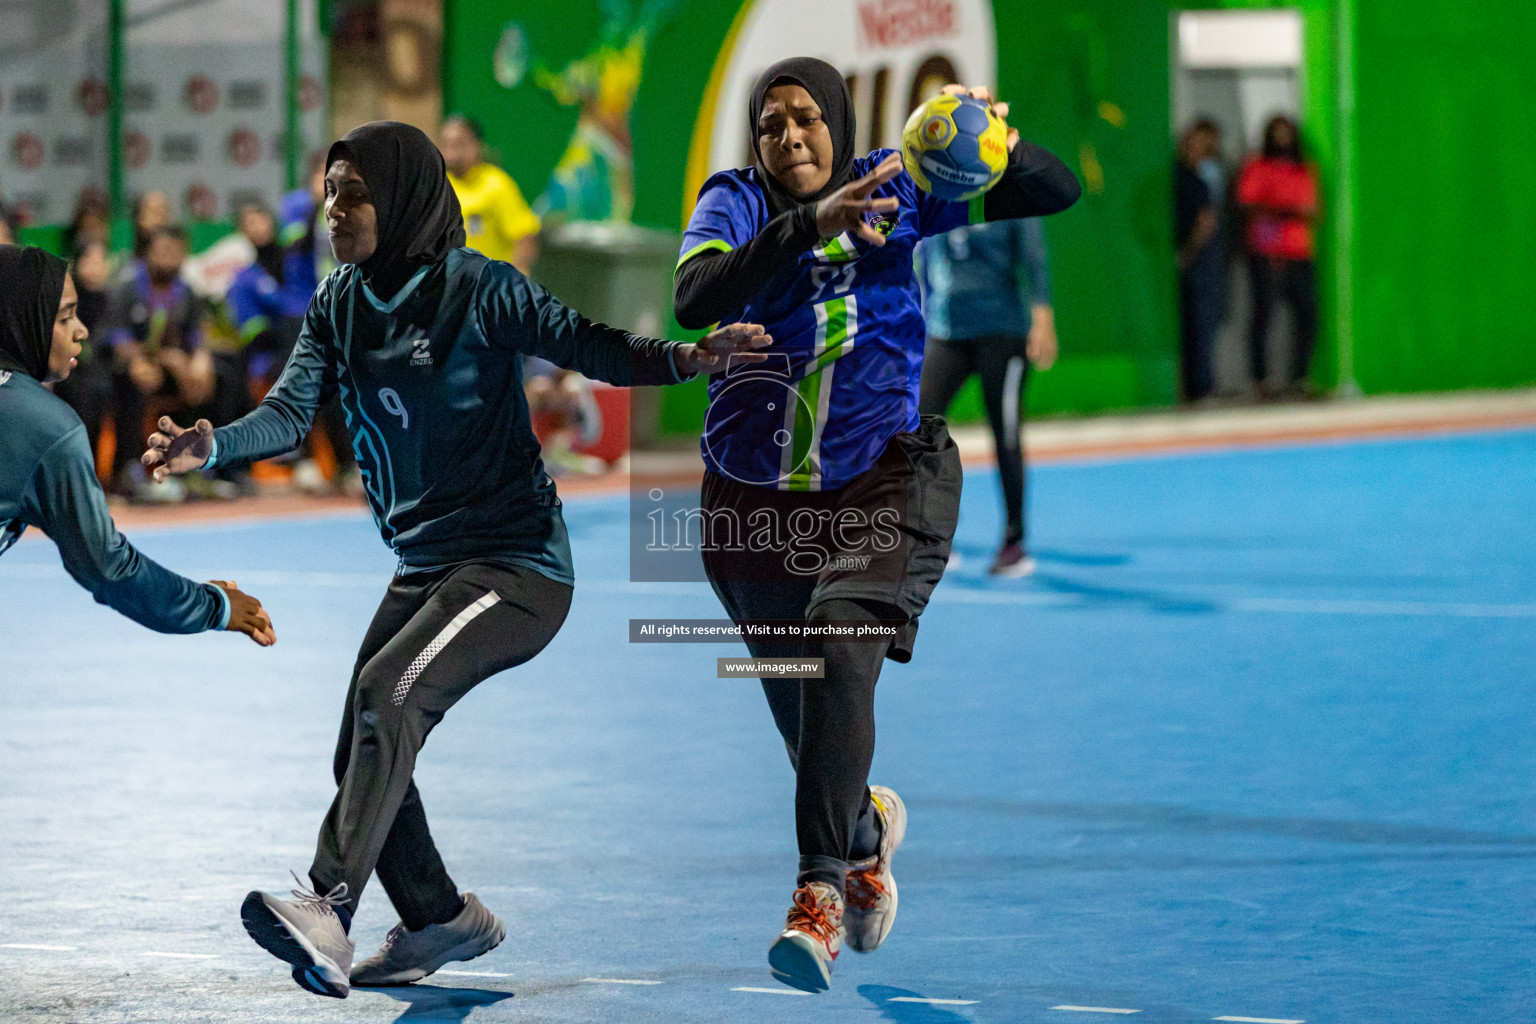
x=516, y=312
x=1035, y=184
x=714, y=283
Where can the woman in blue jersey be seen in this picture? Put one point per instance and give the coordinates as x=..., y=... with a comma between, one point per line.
x=48, y=471
x=827, y=498
x=423, y=340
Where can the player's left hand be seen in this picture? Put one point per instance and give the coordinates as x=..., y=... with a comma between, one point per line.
x=731, y=345
x=984, y=94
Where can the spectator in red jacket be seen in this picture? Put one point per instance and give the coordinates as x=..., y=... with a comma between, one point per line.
x=1277, y=191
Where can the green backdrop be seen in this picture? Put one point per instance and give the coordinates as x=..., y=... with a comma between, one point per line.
x=1429, y=200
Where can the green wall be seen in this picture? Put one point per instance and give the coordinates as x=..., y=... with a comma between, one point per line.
x=1446, y=231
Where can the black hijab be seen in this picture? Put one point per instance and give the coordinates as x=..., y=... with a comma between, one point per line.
x=418, y=214
x=827, y=87
x=31, y=284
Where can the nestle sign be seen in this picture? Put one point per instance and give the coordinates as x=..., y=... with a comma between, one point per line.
x=888, y=24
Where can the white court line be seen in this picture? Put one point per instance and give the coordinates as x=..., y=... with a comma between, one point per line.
x=1260, y=1020
x=620, y=981
x=935, y=1002
x=36, y=945
x=184, y=956
x=1094, y=1009
x=771, y=991
x=474, y=974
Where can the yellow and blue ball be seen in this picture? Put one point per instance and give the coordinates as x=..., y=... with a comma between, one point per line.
x=954, y=147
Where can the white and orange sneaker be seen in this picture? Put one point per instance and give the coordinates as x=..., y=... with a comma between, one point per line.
x=870, y=894
x=802, y=955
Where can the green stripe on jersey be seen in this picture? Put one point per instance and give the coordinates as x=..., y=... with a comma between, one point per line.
x=978, y=209
x=717, y=244
x=837, y=250
x=836, y=332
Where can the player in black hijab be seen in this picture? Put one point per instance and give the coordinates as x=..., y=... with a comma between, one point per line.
x=48, y=471
x=424, y=342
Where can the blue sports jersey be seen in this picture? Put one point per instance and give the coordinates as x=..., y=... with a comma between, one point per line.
x=842, y=376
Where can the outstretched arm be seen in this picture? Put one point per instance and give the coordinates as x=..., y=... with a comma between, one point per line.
x=520, y=313
x=65, y=501
x=276, y=426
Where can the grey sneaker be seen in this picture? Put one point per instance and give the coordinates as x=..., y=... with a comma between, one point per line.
x=306, y=932
x=871, y=889
x=803, y=954
x=408, y=956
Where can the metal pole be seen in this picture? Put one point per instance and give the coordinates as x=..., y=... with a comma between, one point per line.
x=1344, y=215
x=293, y=139
x=115, y=105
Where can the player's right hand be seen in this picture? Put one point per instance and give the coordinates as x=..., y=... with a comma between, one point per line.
x=246, y=615
x=174, y=450
x=844, y=209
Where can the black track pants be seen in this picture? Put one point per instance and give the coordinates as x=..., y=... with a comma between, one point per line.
x=1003, y=365
x=435, y=636
x=828, y=724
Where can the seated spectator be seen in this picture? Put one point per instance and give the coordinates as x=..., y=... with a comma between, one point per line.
x=152, y=210
x=155, y=336
x=91, y=223
x=565, y=415
x=268, y=298
x=301, y=223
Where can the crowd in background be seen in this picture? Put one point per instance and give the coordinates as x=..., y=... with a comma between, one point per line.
x=194, y=336
x=205, y=335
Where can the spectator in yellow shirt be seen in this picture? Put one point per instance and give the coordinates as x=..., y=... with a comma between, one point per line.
x=497, y=220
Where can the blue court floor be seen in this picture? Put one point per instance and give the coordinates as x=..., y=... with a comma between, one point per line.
x=1256, y=743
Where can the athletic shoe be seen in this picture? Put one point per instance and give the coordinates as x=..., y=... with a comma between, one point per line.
x=1011, y=562
x=306, y=932
x=871, y=890
x=802, y=956
x=408, y=956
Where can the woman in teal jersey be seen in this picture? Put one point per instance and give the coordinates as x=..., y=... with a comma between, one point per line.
x=48, y=471
x=828, y=499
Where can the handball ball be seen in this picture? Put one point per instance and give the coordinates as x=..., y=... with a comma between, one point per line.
x=954, y=147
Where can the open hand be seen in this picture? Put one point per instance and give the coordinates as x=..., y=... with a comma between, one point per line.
x=731, y=345
x=246, y=615
x=984, y=94
x=844, y=209
x=174, y=450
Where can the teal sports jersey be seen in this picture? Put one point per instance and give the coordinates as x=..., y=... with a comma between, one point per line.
x=48, y=480
x=842, y=376
x=431, y=383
